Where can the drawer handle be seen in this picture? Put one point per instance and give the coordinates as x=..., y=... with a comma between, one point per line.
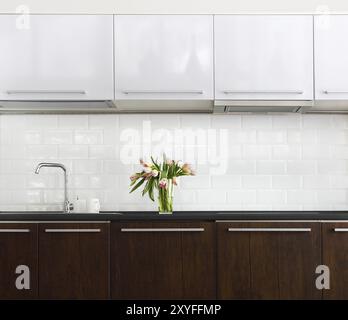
x=263, y=92
x=72, y=230
x=340, y=229
x=163, y=92
x=334, y=92
x=269, y=229
x=162, y=229
x=14, y=230
x=46, y=92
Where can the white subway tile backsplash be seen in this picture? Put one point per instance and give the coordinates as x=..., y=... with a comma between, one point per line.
x=286, y=152
x=316, y=182
x=102, y=152
x=204, y=196
x=316, y=152
x=287, y=182
x=244, y=197
x=87, y=166
x=303, y=136
x=271, y=136
x=270, y=167
x=41, y=152
x=256, y=122
x=301, y=197
x=58, y=137
x=302, y=167
x=286, y=121
x=271, y=197
x=73, y=121
x=195, y=182
x=260, y=152
x=88, y=137
x=256, y=182
x=335, y=197
x=256, y=162
x=73, y=152
x=226, y=182
x=223, y=122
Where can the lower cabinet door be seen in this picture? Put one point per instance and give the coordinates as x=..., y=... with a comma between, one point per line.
x=160, y=260
x=268, y=260
x=74, y=261
x=18, y=261
x=335, y=257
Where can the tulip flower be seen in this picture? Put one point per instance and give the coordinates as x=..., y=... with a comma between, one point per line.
x=154, y=173
x=163, y=183
x=133, y=177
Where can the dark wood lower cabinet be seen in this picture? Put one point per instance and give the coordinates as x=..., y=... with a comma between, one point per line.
x=335, y=256
x=74, y=261
x=268, y=260
x=18, y=247
x=163, y=260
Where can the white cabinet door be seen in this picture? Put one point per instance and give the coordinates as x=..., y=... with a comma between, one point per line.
x=263, y=57
x=163, y=57
x=56, y=57
x=331, y=57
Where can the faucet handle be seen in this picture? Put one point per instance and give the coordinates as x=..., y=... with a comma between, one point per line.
x=71, y=206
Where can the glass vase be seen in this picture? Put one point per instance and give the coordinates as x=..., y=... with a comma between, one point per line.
x=165, y=198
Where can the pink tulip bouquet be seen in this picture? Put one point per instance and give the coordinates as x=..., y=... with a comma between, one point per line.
x=161, y=176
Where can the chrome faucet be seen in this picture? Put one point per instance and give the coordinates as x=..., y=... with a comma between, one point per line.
x=67, y=206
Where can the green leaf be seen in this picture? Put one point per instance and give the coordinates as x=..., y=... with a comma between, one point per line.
x=137, y=185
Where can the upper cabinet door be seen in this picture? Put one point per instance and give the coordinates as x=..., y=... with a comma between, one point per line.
x=164, y=57
x=331, y=57
x=263, y=57
x=56, y=57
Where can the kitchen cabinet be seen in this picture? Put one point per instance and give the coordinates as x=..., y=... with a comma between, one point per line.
x=74, y=260
x=331, y=57
x=335, y=256
x=268, y=260
x=263, y=57
x=163, y=260
x=163, y=57
x=18, y=247
x=56, y=57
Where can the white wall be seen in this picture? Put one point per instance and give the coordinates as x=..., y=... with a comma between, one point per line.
x=177, y=6
x=279, y=162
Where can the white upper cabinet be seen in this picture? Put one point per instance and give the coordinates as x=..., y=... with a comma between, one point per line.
x=263, y=57
x=56, y=57
x=331, y=57
x=163, y=57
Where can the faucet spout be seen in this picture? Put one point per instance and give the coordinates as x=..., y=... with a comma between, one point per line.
x=67, y=206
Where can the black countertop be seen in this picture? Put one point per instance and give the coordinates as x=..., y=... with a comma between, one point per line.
x=179, y=215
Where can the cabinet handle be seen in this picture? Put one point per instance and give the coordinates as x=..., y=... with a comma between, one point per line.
x=162, y=229
x=46, y=92
x=14, y=230
x=163, y=92
x=340, y=229
x=262, y=92
x=72, y=230
x=269, y=229
x=334, y=92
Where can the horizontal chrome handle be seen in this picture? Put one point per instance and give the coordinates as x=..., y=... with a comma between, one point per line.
x=340, y=229
x=335, y=92
x=262, y=92
x=163, y=92
x=162, y=229
x=14, y=230
x=72, y=230
x=46, y=92
x=269, y=229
